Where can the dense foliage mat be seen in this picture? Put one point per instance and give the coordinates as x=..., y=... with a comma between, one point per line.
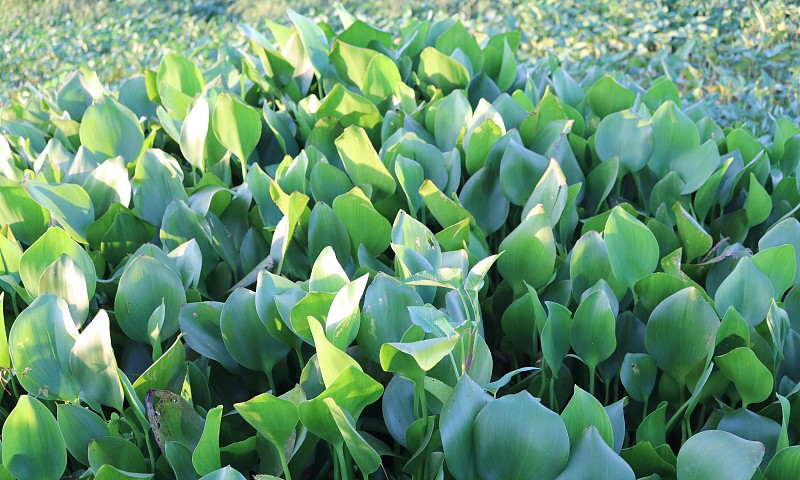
x=740, y=56
x=338, y=253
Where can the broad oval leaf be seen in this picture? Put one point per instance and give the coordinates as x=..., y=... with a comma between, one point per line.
x=516, y=437
x=718, y=454
x=144, y=285
x=680, y=332
x=40, y=342
x=632, y=248
x=33, y=446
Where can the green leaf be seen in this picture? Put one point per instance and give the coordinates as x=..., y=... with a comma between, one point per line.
x=443, y=72
x=385, y=317
x=680, y=333
x=194, y=132
x=661, y=91
x=107, y=472
x=284, y=231
x=40, y=341
x=248, y=340
x=556, y=336
x=445, y=210
x=237, y=126
x=144, y=285
x=108, y=184
x=162, y=374
x=350, y=109
x=77, y=92
x=48, y=249
x=224, y=473
x=517, y=167
x=584, y=411
x=332, y=360
x=327, y=275
x=109, y=129
x=410, y=175
x=382, y=81
x=786, y=231
x=778, y=264
x=178, y=80
x=201, y=323
x=638, y=375
x=747, y=290
x=478, y=142
x=784, y=464
x=632, y=247
x=600, y=182
x=313, y=39
x=457, y=37
x=363, y=223
x=351, y=62
x=758, y=204
x=673, y=133
x=79, y=426
x=326, y=230
x=589, y=263
x=362, y=452
x=593, y=459
x=718, y=454
x=343, y=318
x=551, y=192
x=593, y=326
x=273, y=417
x=27, y=219
x=69, y=204
x=424, y=355
x=626, y=136
x=206, y=457
x=529, y=252
x=607, y=96
x=752, y=379
x=696, y=241
x=451, y=117
x=457, y=417
x=93, y=365
x=118, y=453
x=515, y=437
x=33, y=446
x=173, y=419
x=644, y=459
x=696, y=165
x=361, y=162
x=484, y=199
x=64, y=278
x=157, y=182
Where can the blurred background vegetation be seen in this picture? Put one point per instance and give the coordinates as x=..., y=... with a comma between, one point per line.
x=742, y=56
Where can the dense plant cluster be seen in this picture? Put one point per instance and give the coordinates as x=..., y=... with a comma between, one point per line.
x=739, y=56
x=342, y=254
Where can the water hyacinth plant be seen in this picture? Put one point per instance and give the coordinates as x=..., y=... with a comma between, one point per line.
x=394, y=255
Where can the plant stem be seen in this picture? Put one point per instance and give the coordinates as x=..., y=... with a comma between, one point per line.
x=284, y=463
x=679, y=412
x=300, y=360
x=344, y=475
x=591, y=381
x=337, y=473
x=424, y=404
x=544, y=385
x=455, y=366
x=150, y=452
